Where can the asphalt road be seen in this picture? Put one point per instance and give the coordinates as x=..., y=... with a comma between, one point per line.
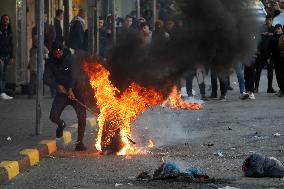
x=235, y=128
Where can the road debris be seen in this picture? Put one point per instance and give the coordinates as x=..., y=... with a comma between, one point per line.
x=257, y=165
x=9, y=138
x=277, y=135
x=219, y=153
x=228, y=187
x=118, y=184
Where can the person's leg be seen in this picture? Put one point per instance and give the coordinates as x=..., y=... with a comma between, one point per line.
x=59, y=103
x=189, y=80
x=240, y=76
x=2, y=76
x=200, y=75
x=258, y=69
x=214, y=84
x=81, y=115
x=270, y=76
x=32, y=84
x=223, y=85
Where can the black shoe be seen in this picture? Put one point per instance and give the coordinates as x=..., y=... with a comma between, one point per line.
x=230, y=88
x=271, y=90
x=204, y=98
x=213, y=96
x=59, y=130
x=280, y=94
x=80, y=147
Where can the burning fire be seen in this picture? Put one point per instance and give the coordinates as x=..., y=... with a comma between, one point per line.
x=175, y=101
x=118, y=110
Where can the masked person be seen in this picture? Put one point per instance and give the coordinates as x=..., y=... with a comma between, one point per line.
x=58, y=75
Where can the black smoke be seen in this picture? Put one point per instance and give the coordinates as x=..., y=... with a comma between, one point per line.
x=217, y=33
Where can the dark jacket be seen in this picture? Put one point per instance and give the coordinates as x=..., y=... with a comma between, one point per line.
x=49, y=35
x=6, y=44
x=274, y=47
x=266, y=35
x=76, y=34
x=59, y=72
x=58, y=30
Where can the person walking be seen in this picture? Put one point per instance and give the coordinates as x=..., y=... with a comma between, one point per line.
x=6, y=53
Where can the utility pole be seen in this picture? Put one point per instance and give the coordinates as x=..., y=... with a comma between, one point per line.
x=40, y=33
x=113, y=22
x=154, y=12
x=138, y=9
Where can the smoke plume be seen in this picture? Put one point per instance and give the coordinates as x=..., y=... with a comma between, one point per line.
x=217, y=34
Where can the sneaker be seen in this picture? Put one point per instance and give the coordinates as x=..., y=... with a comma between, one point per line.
x=251, y=96
x=223, y=98
x=271, y=90
x=4, y=96
x=59, y=130
x=80, y=147
x=204, y=98
x=244, y=96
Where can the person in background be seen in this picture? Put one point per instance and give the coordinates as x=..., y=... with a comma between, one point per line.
x=77, y=32
x=6, y=52
x=57, y=25
x=263, y=57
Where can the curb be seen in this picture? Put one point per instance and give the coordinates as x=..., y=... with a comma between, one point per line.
x=32, y=156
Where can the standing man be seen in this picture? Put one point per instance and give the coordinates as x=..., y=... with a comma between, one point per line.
x=6, y=53
x=58, y=75
x=264, y=57
x=77, y=32
x=57, y=26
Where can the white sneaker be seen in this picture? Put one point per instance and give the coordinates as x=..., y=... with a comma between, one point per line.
x=4, y=96
x=244, y=96
x=251, y=96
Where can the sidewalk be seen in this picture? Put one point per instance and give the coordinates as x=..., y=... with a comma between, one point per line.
x=17, y=125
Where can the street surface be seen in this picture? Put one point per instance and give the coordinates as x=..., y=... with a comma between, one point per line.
x=234, y=128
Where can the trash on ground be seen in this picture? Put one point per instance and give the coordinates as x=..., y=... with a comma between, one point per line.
x=9, y=138
x=144, y=176
x=118, y=184
x=229, y=128
x=277, y=135
x=170, y=170
x=219, y=154
x=228, y=187
x=257, y=165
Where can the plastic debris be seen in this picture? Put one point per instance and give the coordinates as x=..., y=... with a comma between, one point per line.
x=219, y=154
x=257, y=165
x=228, y=187
x=130, y=184
x=118, y=184
x=277, y=135
x=9, y=138
x=170, y=170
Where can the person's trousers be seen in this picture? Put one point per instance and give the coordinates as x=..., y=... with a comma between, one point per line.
x=223, y=83
x=3, y=67
x=59, y=103
x=32, y=84
x=200, y=80
x=249, y=74
x=279, y=71
x=262, y=60
x=240, y=75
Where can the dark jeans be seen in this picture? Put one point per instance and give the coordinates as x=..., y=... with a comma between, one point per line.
x=189, y=80
x=59, y=103
x=279, y=71
x=3, y=67
x=222, y=80
x=249, y=77
x=262, y=60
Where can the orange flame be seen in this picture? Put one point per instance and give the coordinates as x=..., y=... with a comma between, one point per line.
x=175, y=101
x=151, y=144
x=118, y=110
